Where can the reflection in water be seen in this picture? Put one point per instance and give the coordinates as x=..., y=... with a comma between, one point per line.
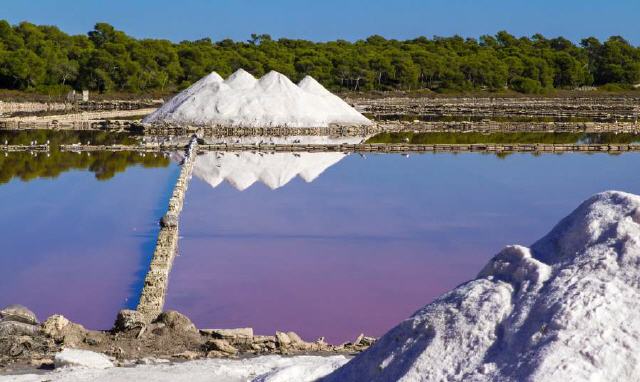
x=74, y=245
x=243, y=169
x=66, y=137
x=370, y=241
x=103, y=164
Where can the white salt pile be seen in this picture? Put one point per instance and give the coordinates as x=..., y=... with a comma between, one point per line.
x=243, y=169
x=243, y=101
x=259, y=369
x=82, y=358
x=568, y=309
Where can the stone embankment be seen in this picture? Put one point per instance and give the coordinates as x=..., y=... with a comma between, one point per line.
x=113, y=121
x=23, y=148
x=27, y=108
x=10, y=108
x=157, y=278
x=134, y=339
x=509, y=127
x=222, y=131
x=603, y=108
x=372, y=148
x=83, y=120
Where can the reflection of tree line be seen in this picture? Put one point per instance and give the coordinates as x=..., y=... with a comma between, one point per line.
x=104, y=164
x=505, y=138
x=57, y=138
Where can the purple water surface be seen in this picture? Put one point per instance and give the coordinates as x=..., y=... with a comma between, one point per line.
x=371, y=240
x=79, y=246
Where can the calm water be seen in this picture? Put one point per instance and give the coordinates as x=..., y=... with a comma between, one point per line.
x=369, y=241
x=77, y=236
x=324, y=244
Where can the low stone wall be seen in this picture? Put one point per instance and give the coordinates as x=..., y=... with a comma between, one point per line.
x=157, y=278
x=32, y=107
x=39, y=107
x=407, y=148
x=373, y=148
x=510, y=127
x=222, y=131
x=624, y=107
x=23, y=148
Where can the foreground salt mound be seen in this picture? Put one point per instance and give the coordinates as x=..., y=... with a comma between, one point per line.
x=243, y=101
x=568, y=309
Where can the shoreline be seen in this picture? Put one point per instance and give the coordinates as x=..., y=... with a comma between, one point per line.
x=27, y=345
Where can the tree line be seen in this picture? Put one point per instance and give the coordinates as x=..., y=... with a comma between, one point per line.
x=45, y=59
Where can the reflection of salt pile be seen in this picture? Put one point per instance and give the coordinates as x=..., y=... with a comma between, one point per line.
x=564, y=310
x=242, y=100
x=243, y=169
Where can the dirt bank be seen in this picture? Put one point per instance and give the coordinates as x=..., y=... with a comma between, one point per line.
x=26, y=343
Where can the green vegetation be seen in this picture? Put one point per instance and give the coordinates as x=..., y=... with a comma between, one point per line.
x=45, y=59
x=104, y=164
x=504, y=138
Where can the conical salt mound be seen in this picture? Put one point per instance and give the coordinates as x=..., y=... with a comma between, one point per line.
x=565, y=309
x=243, y=101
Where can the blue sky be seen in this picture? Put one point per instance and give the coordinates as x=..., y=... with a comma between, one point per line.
x=331, y=19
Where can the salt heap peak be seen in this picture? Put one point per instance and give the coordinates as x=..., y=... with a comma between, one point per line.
x=207, y=81
x=564, y=310
x=243, y=101
x=277, y=81
x=241, y=79
x=310, y=84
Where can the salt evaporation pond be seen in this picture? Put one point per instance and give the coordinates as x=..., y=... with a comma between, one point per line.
x=356, y=245
x=78, y=230
x=325, y=244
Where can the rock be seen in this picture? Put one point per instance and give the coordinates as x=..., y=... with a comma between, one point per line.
x=16, y=346
x=176, y=321
x=188, y=355
x=42, y=363
x=82, y=358
x=54, y=326
x=367, y=341
x=169, y=221
x=228, y=333
x=242, y=337
x=18, y=313
x=93, y=339
x=220, y=346
x=298, y=342
x=152, y=361
x=295, y=338
x=62, y=330
x=283, y=339
x=129, y=319
x=15, y=328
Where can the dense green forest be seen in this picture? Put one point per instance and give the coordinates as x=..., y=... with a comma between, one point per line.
x=45, y=59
